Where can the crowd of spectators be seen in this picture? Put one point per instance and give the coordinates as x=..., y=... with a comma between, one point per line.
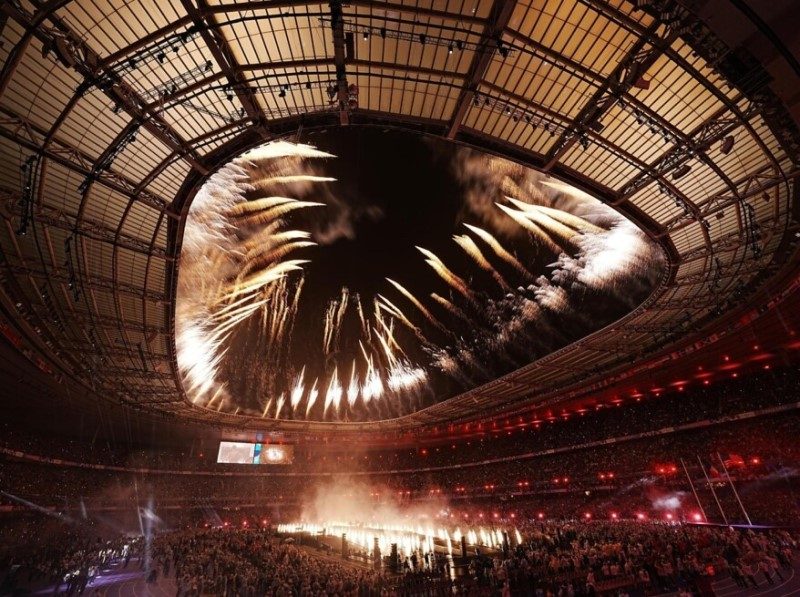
x=761, y=453
x=569, y=558
x=549, y=430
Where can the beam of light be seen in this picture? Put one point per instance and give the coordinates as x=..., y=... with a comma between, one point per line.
x=472, y=250
x=446, y=274
x=266, y=408
x=299, y=390
x=545, y=221
x=352, y=387
x=499, y=250
x=414, y=301
x=521, y=218
x=38, y=508
x=312, y=397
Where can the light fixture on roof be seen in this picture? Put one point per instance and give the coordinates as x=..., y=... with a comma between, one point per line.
x=597, y=126
x=681, y=171
x=450, y=49
x=636, y=78
x=459, y=44
x=422, y=38
x=161, y=57
x=502, y=49
x=727, y=145
x=366, y=35
x=584, y=141
x=383, y=32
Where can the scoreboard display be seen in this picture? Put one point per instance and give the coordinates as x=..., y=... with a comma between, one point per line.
x=249, y=453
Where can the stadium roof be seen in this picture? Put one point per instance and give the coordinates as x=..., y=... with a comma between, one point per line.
x=112, y=114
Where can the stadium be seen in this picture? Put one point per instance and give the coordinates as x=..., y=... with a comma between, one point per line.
x=391, y=298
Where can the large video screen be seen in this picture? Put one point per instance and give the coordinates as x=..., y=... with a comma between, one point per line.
x=247, y=453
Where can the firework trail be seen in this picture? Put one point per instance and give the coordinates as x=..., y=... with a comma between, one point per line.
x=422, y=309
x=523, y=220
x=361, y=317
x=551, y=296
x=545, y=221
x=390, y=358
x=343, y=302
x=352, y=387
x=373, y=386
x=333, y=394
x=569, y=190
x=264, y=204
x=498, y=249
x=389, y=330
x=264, y=277
x=290, y=179
x=253, y=246
x=472, y=250
x=312, y=397
x=571, y=220
x=270, y=215
x=450, y=307
x=383, y=303
x=276, y=252
x=448, y=276
x=298, y=391
x=405, y=377
x=279, y=406
x=266, y=408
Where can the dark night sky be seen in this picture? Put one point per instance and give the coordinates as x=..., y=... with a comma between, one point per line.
x=397, y=190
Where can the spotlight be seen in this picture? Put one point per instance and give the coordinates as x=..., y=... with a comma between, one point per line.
x=161, y=57
x=282, y=92
x=450, y=49
x=383, y=32
x=422, y=38
x=727, y=145
x=597, y=126
x=366, y=35
x=720, y=214
x=459, y=44
x=681, y=171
